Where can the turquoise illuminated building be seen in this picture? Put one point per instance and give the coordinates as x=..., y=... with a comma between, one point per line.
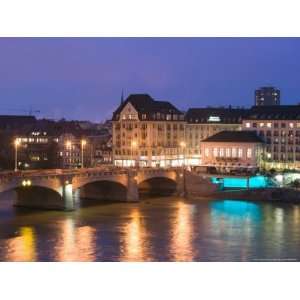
x=243, y=182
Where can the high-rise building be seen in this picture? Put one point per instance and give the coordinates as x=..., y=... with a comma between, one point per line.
x=266, y=96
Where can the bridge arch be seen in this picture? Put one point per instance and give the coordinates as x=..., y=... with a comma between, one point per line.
x=92, y=190
x=35, y=193
x=157, y=186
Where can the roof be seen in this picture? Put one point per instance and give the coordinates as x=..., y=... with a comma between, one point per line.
x=216, y=115
x=145, y=104
x=274, y=112
x=234, y=136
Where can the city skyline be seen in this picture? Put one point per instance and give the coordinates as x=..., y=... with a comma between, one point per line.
x=83, y=78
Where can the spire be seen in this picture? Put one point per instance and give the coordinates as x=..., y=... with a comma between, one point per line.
x=122, y=97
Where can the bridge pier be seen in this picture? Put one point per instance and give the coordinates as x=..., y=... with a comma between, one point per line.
x=132, y=188
x=68, y=195
x=180, y=180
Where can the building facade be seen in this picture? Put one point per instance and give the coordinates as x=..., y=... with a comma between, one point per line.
x=267, y=96
x=233, y=150
x=148, y=133
x=202, y=123
x=279, y=127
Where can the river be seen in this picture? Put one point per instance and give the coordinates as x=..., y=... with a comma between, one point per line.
x=161, y=229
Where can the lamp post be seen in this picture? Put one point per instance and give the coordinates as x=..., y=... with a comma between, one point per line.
x=17, y=143
x=133, y=146
x=83, y=143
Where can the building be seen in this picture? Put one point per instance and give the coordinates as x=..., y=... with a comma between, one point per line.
x=101, y=150
x=267, y=96
x=148, y=133
x=204, y=122
x=279, y=127
x=232, y=150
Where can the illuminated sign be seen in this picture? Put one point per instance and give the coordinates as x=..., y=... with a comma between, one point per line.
x=214, y=119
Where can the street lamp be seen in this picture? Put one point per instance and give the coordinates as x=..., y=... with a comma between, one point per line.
x=17, y=144
x=83, y=143
x=133, y=146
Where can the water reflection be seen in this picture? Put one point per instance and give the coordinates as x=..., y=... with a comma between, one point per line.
x=169, y=229
x=135, y=240
x=75, y=243
x=181, y=247
x=22, y=247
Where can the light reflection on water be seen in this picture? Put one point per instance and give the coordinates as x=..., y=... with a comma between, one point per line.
x=75, y=243
x=135, y=242
x=166, y=229
x=182, y=233
x=22, y=247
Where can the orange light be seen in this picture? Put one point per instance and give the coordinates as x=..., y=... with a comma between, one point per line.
x=17, y=142
x=182, y=144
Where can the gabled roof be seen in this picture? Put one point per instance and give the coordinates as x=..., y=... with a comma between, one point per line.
x=235, y=137
x=216, y=115
x=145, y=104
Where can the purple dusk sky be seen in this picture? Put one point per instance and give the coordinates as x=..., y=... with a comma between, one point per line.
x=82, y=78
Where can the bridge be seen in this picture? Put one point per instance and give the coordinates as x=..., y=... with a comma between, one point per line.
x=59, y=189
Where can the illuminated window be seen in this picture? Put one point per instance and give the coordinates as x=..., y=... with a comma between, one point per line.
x=248, y=125
x=221, y=152
x=269, y=125
x=249, y=153
x=291, y=125
x=233, y=152
x=261, y=124
x=227, y=152
x=206, y=152
x=240, y=152
x=215, y=152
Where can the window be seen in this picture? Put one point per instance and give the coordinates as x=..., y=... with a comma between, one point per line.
x=221, y=152
x=233, y=152
x=227, y=152
x=291, y=125
x=144, y=116
x=261, y=124
x=269, y=125
x=206, y=151
x=248, y=125
x=215, y=152
x=240, y=153
x=249, y=153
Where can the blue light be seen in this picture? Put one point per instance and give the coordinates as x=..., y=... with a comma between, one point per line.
x=233, y=182
x=236, y=208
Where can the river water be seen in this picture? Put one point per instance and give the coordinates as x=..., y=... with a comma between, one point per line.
x=161, y=229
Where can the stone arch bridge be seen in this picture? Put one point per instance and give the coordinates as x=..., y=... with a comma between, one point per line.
x=56, y=189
